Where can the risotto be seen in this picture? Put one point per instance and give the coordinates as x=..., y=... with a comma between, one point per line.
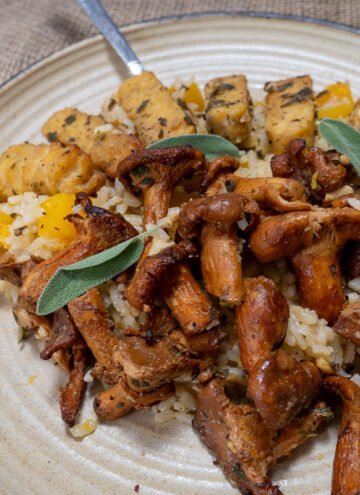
x=307, y=337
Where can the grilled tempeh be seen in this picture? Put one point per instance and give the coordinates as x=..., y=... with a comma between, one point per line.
x=228, y=108
x=70, y=126
x=47, y=169
x=155, y=113
x=289, y=111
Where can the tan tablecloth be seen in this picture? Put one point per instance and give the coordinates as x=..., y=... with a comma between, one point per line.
x=31, y=29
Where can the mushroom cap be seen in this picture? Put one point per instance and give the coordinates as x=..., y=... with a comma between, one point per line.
x=320, y=171
x=221, y=165
x=272, y=193
x=281, y=387
x=143, y=168
x=284, y=235
x=225, y=208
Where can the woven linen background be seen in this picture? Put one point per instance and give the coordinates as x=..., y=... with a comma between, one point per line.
x=32, y=29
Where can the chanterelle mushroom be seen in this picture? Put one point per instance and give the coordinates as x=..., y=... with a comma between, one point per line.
x=346, y=470
x=313, y=241
x=352, y=259
x=348, y=323
x=243, y=446
x=320, y=171
x=271, y=193
x=120, y=399
x=279, y=385
x=155, y=173
x=213, y=220
x=72, y=394
x=166, y=274
x=14, y=271
x=261, y=320
x=90, y=317
x=97, y=232
x=151, y=272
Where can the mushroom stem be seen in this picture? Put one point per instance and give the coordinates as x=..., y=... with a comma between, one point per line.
x=156, y=203
x=313, y=241
x=346, y=471
x=72, y=394
x=215, y=217
x=274, y=193
x=318, y=276
x=119, y=400
x=221, y=262
x=112, y=403
x=261, y=320
x=188, y=303
x=90, y=317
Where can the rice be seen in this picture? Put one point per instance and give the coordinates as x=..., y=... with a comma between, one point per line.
x=23, y=240
x=309, y=337
x=178, y=90
x=81, y=430
x=251, y=166
x=179, y=407
x=113, y=113
x=120, y=311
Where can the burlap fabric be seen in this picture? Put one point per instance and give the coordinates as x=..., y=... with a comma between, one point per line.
x=32, y=29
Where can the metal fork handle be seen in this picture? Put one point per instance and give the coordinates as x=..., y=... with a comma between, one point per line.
x=99, y=16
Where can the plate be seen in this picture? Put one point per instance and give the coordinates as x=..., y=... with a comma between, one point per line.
x=37, y=456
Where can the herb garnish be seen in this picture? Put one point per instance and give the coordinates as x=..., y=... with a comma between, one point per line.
x=71, y=281
x=210, y=145
x=344, y=138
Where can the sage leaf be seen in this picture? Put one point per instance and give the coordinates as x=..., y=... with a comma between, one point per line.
x=210, y=145
x=342, y=137
x=71, y=281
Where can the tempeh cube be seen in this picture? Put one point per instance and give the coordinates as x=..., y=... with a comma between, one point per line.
x=91, y=133
x=47, y=169
x=289, y=111
x=228, y=108
x=155, y=113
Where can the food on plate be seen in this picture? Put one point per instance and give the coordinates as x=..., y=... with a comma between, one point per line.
x=346, y=474
x=228, y=108
x=354, y=117
x=89, y=315
x=149, y=104
x=155, y=173
x=320, y=171
x=313, y=241
x=102, y=142
x=244, y=447
x=348, y=323
x=335, y=101
x=233, y=293
x=289, y=111
x=47, y=169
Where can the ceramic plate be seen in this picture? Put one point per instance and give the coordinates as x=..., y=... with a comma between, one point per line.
x=37, y=456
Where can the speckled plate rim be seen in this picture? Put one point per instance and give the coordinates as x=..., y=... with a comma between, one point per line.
x=8, y=83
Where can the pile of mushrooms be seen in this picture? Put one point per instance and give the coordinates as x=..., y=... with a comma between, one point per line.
x=184, y=287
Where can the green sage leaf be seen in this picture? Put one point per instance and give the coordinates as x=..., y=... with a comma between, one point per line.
x=210, y=145
x=71, y=281
x=342, y=137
